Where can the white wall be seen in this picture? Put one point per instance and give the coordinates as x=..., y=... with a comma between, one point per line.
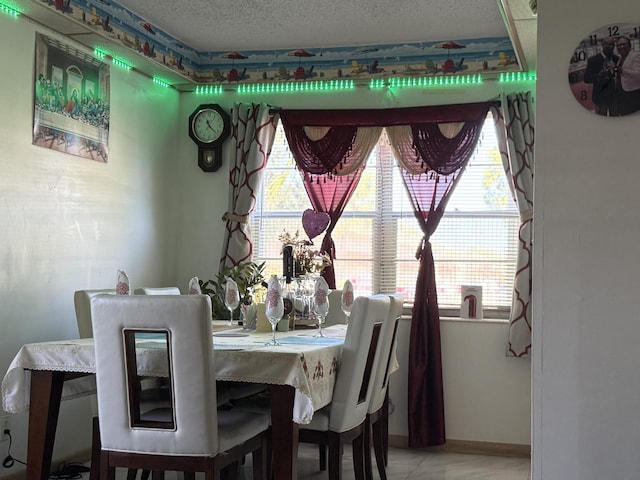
x=68, y=223
x=586, y=380
x=486, y=394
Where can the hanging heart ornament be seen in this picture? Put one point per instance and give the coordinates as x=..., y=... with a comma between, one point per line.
x=314, y=223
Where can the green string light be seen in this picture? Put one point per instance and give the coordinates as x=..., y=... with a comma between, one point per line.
x=121, y=63
x=9, y=10
x=430, y=81
x=295, y=87
x=514, y=77
x=100, y=53
x=208, y=90
x=162, y=83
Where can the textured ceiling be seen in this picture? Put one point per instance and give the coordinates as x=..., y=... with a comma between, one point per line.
x=227, y=25
x=259, y=25
x=200, y=30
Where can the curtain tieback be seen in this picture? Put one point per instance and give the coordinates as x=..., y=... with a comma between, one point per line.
x=420, y=249
x=526, y=215
x=235, y=218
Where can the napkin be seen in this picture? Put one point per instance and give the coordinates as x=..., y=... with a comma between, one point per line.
x=321, y=297
x=347, y=296
x=122, y=283
x=194, y=286
x=274, y=306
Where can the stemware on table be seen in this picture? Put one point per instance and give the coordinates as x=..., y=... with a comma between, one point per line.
x=320, y=303
x=231, y=298
x=274, y=306
x=347, y=299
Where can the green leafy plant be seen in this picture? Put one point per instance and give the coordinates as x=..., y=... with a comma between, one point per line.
x=246, y=274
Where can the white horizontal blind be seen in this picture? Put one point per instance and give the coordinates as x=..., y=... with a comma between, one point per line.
x=377, y=237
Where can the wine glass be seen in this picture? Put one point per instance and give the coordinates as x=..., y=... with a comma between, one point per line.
x=346, y=304
x=231, y=298
x=319, y=319
x=321, y=303
x=274, y=311
x=346, y=301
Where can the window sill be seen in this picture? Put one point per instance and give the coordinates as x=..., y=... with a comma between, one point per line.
x=451, y=315
x=474, y=320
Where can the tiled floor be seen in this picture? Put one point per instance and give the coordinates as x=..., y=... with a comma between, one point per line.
x=411, y=465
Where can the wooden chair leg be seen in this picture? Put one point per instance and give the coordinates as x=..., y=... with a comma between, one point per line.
x=259, y=459
x=368, y=462
x=378, y=448
x=358, y=456
x=96, y=446
x=384, y=422
x=322, y=456
x=335, y=457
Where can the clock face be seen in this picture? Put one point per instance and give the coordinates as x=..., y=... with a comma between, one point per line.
x=208, y=125
x=604, y=68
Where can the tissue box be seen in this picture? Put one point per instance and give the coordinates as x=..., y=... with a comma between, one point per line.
x=471, y=305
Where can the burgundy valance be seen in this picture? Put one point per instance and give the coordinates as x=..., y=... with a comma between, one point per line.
x=387, y=116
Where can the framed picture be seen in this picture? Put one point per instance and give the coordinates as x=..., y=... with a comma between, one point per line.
x=71, y=100
x=604, y=70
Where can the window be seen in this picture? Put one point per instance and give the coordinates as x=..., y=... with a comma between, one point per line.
x=377, y=236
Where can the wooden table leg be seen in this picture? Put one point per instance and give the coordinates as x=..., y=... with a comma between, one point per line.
x=284, y=433
x=46, y=392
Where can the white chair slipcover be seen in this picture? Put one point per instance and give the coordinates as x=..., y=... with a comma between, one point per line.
x=198, y=432
x=343, y=419
x=377, y=413
x=157, y=291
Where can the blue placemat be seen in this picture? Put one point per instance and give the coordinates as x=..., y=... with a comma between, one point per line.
x=306, y=340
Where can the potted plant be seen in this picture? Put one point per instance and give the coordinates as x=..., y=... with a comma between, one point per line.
x=247, y=275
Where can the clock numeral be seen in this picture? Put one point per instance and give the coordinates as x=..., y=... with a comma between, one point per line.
x=579, y=56
x=593, y=39
x=583, y=95
x=614, y=30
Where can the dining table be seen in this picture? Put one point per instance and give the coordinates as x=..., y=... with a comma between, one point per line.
x=300, y=374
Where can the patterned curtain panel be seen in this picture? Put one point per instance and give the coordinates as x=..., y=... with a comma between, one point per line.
x=432, y=163
x=253, y=131
x=516, y=134
x=331, y=161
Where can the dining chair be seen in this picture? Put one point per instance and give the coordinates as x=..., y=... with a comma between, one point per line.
x=82, y=305
x=377, y=421
x=343, y=420
x=191, y=434
x=335, y=315
x=157, y=291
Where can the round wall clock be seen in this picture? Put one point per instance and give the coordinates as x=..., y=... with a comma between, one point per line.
x=604, y=70
x=209, y=126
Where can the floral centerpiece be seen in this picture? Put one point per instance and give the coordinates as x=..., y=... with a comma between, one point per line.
x=306, y=258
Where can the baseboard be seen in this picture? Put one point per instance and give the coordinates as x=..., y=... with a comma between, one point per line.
x=471, y=447
x=80, y=457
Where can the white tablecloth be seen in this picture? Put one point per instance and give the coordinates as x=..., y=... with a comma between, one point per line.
x=304, y=362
